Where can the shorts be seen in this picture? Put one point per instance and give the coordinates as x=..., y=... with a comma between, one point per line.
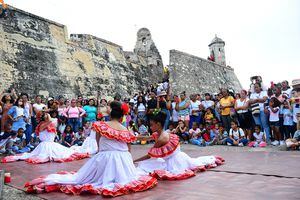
x=184, y=118
x=277, y=124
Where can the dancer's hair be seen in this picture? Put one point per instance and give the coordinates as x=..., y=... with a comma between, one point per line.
x=116, y=110
x=160, y=117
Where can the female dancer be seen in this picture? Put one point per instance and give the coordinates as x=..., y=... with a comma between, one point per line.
x=165, y=160
x=47, y=150
x=111, y=172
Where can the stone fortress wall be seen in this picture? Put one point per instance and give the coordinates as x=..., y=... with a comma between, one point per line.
x=38, y=56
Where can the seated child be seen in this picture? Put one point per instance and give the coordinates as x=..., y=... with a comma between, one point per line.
x=6, y=141
x=236, y=136
x=222, y=135
x=171, y=128
x=68, y=137
x=294, y=143
x=143, y=130
x=132, y=128
x=195, y=135
x=181, y=131
x=219, y=134
x=87, y=129
x=259, y=138
x=79, y=137
x=19, y=144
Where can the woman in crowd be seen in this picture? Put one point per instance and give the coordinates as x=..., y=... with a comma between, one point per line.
x=74, y=113
x=195, y=115
x=141, y=108
x=17, y=115
x=244, y=116
x=7, y=102
x=91, y=111
x=226, y=103
x=257, y=102
x=103, y=108
x=165, y=160
x=164, y=104
x=117, y=177
x=183, y=108
x=47, y=150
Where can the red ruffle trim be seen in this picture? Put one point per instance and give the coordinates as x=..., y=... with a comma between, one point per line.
x=110, y=133
x=143, y=183
x=51, y=128
x=166, y=175
x=165, y=150
x=36, y=160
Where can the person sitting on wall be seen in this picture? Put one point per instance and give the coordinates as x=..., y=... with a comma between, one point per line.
x=3, y=10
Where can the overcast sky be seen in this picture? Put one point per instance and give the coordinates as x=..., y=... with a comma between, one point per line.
x=262, y=36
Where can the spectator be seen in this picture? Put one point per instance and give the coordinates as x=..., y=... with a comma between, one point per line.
x=209, y=116
x=164, y=104
x=273, y=111
x=104, y=109
x=68, y=136
x=195, y=115
x=182, y=131
x=294, y=143
x=91, y=111
x=37, y=106
x=259, y=138
x=174, y=114
x=17, y=115
x=244, y=116
x=236, y=136
x=195, y=135
x=183, y=108
x=285, y=89
x=6, y=141
x=7, y=102
x=208, y=103
x=141, y=108
x=257, y=100
x=73, y=114
x=287, y=120
x=226, y=103
x=221, y=134
x=28, y=114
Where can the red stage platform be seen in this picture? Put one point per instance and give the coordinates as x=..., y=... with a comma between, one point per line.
x=246, y=175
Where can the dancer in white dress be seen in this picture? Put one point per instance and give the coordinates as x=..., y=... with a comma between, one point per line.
x=110, y=172
x=165, y=160
x=47, y=150
x=89, y=145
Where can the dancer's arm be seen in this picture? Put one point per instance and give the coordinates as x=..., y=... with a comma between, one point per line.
x=148, y=138
x=145, y=157
x=129, y=147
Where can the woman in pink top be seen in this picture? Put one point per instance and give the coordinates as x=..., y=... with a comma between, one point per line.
x=73, y=113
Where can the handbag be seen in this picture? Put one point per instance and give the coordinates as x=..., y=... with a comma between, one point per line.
x=255, y=109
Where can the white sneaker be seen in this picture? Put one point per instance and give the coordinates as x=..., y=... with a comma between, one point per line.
x=281, y=143
x=186, y=142
x=275, y=143
x=229, y=144
x=241, y=144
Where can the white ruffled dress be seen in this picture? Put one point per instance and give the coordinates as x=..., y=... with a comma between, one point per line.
x=110, y=172
x=170, y=163
x=47, y=150
x=89, y=145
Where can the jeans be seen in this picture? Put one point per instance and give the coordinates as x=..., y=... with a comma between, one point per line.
x=226, y=120
x=230, y=141
x=28, y=133
x=74, y=123
x=193, y=119
x=262, y=120
x=197, y=142
x=166, y=126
